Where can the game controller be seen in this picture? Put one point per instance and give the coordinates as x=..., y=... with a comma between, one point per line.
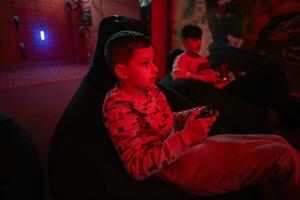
x=208, y=111
x=222, y=78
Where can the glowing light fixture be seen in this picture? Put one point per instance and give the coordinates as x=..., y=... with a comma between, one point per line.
x=42, y=35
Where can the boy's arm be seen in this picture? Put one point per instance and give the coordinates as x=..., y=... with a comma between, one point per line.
x=181, y=117
x=141, y=156
x=205, y=77
x=179, y=69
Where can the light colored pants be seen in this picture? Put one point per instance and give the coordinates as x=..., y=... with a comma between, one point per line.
x=226, y=162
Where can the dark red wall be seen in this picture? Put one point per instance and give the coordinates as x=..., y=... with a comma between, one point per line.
x=159, y=33
x=105, y=8
x=36, y=15
x=63, y=41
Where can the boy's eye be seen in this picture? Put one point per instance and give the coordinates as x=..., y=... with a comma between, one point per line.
x=146, y=63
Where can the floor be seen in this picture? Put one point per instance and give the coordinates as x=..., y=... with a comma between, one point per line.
x=36, y=96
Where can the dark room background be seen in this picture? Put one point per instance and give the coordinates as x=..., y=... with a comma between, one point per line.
x=63, y=40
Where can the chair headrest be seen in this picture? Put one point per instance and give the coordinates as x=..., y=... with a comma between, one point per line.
x=99, y=73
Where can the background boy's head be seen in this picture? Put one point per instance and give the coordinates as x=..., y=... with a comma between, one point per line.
x=130, y=55
x=191, y=37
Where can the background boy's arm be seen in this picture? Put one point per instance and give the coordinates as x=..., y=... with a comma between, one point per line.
x=141, y=156
x=179, y=69
x=210, y=76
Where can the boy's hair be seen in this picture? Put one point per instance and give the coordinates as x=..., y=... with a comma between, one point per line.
x=191, y=31
x=120, y=46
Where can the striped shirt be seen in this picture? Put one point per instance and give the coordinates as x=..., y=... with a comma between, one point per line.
x=146, y=134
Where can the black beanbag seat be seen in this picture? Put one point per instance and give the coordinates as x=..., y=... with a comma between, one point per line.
x=83, y=163
x=21, y=172
x=236, y=115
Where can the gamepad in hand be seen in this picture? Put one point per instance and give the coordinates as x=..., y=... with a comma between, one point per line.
x=208, y=111
x=222, y=78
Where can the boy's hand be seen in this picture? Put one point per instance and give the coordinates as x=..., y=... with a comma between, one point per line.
x=211, y=77
x=220, y=85
x=196, y=130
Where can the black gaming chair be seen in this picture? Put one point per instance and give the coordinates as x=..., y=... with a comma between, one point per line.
x=171, y=58
x=236, y=115
x=83, y=163
x=21, y=172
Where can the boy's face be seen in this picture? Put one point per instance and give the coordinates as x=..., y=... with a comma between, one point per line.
x=140, y=72
x=192, y=45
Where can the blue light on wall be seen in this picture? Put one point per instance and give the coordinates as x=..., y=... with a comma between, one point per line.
x=42, y=35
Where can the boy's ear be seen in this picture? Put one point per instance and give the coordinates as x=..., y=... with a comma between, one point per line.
x=120, y=71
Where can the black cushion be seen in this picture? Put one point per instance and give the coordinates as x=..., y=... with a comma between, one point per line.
x=236, y=115
x=83, y=163
x=21, y=172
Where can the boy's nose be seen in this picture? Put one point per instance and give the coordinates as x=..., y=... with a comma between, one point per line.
x=154, y=68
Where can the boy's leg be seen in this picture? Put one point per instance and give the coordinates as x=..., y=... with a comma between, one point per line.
x=229, y=162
